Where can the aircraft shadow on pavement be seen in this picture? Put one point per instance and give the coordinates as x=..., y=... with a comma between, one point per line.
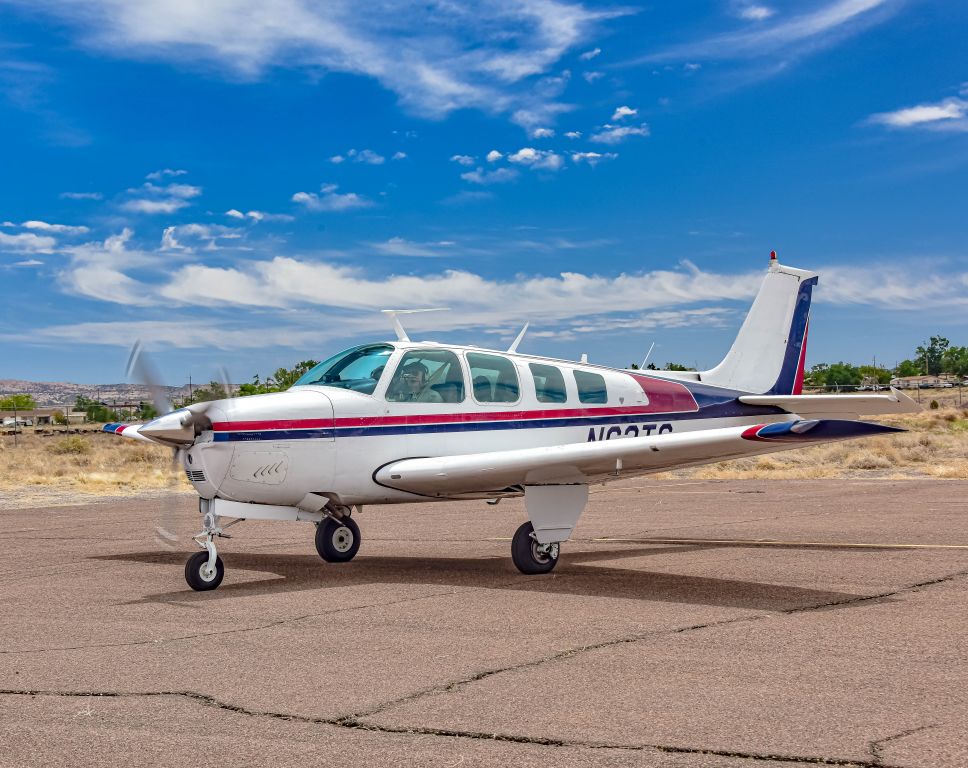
x=291, y=573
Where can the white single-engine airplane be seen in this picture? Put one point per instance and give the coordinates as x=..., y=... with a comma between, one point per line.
x=407, y=421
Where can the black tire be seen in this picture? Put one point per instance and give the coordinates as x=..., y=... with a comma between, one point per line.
x=525, y=554
x=196, y=578
x=338, y=541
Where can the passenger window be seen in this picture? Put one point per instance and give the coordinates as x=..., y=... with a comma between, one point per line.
x=427, y=376
x=549, y=384
x=591, y=387
x=494, y=378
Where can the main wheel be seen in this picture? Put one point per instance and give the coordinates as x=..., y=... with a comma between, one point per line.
x=528, y=555
x=197, y=574
x=337, y=541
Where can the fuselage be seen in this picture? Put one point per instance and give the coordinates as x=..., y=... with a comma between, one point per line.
x=330, y=436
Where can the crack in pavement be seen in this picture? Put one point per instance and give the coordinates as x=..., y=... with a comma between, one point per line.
x=351, y=724
x=876, y=746
x=631, y=639
x=243, y=630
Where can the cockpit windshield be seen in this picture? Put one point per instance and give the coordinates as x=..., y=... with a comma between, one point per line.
x=358, y=369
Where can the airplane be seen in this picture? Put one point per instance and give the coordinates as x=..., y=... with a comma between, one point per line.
x=418, y=421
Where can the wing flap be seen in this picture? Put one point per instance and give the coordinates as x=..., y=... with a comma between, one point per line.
x=842, y=406
x=584, y=462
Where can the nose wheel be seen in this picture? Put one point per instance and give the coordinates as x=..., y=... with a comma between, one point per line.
x=529, y=555
x=337, y=539
x=200, y=576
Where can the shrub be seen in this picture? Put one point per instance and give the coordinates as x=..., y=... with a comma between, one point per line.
x=74, y=444
x=935, y=405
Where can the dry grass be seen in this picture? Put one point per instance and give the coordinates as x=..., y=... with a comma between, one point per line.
x=936, y=445
x=92, y=462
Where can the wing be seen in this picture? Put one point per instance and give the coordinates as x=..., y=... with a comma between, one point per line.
x=837, y=406
x=478, y=473
x=127, y=430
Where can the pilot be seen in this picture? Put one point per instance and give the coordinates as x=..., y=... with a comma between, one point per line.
x=414, y=387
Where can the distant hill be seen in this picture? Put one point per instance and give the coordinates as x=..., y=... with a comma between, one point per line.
x=47, y=393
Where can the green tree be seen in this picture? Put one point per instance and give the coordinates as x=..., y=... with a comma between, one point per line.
x=279, y=381
x=842, y=375
x=878, y=374
x=146, y=411
x=214, y=391
x=932, y=353
x=817, y=377
x=955, y=360
x=675, y=367
x=58, y=417
x=94, y=411
x=17, y=403
x=908, y=368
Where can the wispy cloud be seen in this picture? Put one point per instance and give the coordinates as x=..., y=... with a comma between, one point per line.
x=537, y=159
x=256, y=216
x=616, y=134
x=463, y=159
x=330, y=200
x=165, y=173
x=153, y=199
x=27, y=241
x=484, y=56
x=399, y=246
x=592, y=158
x=787, y=37
x=755, y=12
x=623, y=112
x=497, y=176
x=589, y=55
x=949, y=114
x=81, y=196
x=43, y=226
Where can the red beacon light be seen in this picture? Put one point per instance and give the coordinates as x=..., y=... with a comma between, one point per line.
x=772, y=255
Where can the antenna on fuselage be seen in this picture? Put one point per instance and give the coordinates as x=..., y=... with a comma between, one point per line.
x=647, y=356
x=398, y=327
x=519, y=339
x=584, y=357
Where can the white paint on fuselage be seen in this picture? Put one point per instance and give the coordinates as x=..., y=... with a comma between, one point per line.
x=344, y=466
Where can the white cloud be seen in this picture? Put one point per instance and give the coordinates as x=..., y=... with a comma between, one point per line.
x=43, y=226
x=692, y=66
x=623, y=112
x=27, y=241
x=366, y=156
x=542, y=133
x=337, y=159
x=493, y=156
x=165, y=172
x=497, y=176
x=615, y=134
x=573, y=135
x=463, y=159
x=81, y=196
x=257, y=216
x=538, y=159
x=331, y=200
x=755, y=12
x=592, y=158
x=207, y=234
x=399, y=156
x=816, y=28
x=948, y=114
x=591, y=77
x=28, y=263
x=399, y=246
x=589, y=55
x=98, y=270
x=436, y=57
x=154, y=206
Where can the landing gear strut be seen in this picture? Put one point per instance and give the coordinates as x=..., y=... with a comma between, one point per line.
x=529, y=555
x=205, y=570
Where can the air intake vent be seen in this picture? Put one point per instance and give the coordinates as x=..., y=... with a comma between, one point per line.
x=195, y=475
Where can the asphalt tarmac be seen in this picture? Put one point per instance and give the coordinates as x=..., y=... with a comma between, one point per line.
x=688, y=624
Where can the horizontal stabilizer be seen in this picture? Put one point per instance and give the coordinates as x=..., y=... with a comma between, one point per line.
x=840, y=406
x=577, y=463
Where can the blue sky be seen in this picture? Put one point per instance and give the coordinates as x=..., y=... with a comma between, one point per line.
x=248, y=182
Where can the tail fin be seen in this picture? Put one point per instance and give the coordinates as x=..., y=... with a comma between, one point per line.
x=767, y=356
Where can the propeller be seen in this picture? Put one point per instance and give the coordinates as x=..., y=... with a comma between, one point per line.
x=176, y=428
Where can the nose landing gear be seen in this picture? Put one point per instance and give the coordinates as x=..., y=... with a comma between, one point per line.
x=205, y=570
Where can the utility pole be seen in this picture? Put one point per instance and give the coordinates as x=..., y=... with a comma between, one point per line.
x=190, y=399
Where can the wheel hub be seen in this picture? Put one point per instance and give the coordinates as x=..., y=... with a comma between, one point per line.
x=342, y=539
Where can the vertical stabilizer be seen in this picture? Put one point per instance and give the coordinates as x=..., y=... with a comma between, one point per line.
x=768, y=354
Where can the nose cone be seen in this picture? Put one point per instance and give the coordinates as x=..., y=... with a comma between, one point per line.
x=175, y=427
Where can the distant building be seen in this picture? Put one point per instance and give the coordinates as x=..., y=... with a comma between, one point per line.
x=37, y=417
x=926, y=382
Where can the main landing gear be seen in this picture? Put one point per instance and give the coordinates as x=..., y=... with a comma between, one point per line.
x=338, y=539
x=529, y=555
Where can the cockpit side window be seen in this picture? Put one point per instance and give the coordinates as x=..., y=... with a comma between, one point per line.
x=495, y=378
x=549, y=384
x=358, y=369
x=427, y=376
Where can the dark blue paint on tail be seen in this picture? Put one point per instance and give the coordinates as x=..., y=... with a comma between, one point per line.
x=786, y=381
